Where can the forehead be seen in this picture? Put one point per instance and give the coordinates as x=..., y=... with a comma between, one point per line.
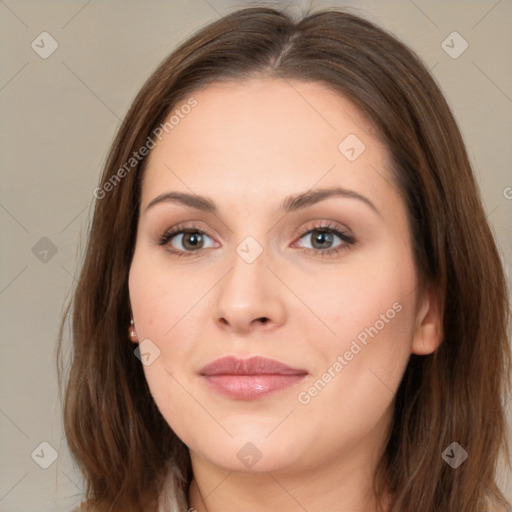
x=268, y=137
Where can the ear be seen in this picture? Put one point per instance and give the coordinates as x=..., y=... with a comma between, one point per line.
x=132, y=333
x=428, y=333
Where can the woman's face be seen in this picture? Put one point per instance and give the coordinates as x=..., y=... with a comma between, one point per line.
x=321, y=283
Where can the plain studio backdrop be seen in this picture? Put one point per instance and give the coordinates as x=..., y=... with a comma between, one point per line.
x=69, y=72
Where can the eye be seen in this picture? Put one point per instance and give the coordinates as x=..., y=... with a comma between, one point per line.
x=322, y=238
x=182, y=240
x=187, y=240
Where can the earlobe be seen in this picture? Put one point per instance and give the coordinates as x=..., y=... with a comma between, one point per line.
x=132, y=333
x=428, y=334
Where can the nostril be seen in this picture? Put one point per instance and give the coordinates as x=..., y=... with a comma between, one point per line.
x=263, y=320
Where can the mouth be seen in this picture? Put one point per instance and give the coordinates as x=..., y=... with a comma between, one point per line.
x=249, y=379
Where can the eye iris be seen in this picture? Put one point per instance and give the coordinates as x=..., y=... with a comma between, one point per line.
x=322, y=237
x=193, y=240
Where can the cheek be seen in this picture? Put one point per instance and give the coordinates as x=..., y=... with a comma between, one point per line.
x=372, y=298
x=163, y=298
x=168, y=311
x=369, y=310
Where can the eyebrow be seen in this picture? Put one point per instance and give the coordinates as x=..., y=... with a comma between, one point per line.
x=290, y=204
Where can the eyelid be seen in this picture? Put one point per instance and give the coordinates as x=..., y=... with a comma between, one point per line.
x=326, y=224
x=183, y=228
x=345, y=235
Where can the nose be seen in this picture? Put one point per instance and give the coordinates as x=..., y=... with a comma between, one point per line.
x=249, y=298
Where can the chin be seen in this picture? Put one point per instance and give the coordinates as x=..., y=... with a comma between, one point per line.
x=248, y=452
x=254, y=458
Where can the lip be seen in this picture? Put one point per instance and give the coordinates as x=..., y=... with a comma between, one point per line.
x=249, y=379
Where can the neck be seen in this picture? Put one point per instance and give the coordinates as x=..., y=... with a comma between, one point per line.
x=343, y=484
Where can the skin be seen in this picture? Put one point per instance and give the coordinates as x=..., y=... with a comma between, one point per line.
x=247, y=146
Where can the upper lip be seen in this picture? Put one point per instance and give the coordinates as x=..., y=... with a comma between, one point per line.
x=256, y=365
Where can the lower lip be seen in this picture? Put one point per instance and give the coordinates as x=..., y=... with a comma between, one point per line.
x=250, y=387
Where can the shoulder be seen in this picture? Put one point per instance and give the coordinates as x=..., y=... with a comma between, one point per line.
x=89, y=506
x=83, y=507
x=498, y=507
x=495, y=505
x=80, y=508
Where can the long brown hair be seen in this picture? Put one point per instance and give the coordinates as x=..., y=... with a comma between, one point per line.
x=123, y=445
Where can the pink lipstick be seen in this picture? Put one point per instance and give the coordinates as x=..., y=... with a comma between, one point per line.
x=248, y=379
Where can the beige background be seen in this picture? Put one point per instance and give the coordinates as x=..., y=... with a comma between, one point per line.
x=58, y=118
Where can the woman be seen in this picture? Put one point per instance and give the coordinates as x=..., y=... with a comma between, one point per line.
x=291, y=298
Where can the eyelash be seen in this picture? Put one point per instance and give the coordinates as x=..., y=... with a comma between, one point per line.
x=324, y=228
